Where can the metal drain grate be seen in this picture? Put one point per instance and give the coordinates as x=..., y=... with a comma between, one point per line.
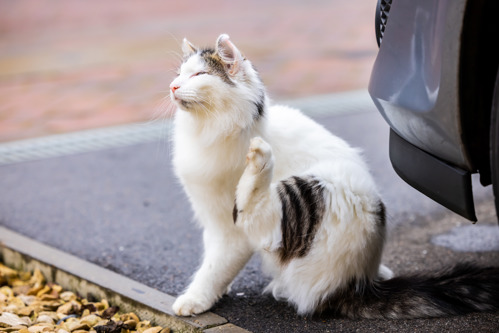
x=81, y=142
x=119, y=136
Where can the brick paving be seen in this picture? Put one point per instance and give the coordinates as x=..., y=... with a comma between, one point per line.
x=73, y=65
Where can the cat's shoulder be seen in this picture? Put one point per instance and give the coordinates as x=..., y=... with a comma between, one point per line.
x=290, y=117
x=284, y=110
x=284, y=113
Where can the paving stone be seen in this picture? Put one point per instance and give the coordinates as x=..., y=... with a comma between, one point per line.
x=70, y=65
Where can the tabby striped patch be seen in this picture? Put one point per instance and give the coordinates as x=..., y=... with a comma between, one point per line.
x=302, y=210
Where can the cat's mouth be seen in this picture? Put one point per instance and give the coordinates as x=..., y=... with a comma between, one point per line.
x=185, y=103
x=174, y=97
x=181, y=102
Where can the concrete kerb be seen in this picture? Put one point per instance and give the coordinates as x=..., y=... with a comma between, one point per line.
x=87, y=279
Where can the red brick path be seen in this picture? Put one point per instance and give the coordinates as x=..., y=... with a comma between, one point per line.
x=72, y=65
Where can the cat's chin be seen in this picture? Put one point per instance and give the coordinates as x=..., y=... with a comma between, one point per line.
x=179, y=102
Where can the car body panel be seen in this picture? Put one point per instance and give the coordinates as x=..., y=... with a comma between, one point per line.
x=415, y=78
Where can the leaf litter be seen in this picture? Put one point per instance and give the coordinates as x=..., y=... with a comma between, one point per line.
x=30, y=305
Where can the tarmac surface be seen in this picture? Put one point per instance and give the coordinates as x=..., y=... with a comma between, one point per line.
x=122, y=209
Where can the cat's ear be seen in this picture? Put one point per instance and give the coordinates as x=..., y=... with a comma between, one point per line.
x=188, y=48
x=229, y=54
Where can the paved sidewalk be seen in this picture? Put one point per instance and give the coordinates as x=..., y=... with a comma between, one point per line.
x=72, y=65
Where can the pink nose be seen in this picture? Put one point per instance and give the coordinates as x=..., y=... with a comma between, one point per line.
x=173, y=88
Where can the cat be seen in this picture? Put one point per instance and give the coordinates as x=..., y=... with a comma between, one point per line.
x=268, y=179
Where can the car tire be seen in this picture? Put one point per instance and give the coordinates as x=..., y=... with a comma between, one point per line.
x=494, y=144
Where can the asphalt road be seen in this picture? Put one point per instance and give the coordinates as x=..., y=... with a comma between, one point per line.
x=122, y=209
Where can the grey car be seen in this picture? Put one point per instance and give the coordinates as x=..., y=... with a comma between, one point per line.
x=435, y=81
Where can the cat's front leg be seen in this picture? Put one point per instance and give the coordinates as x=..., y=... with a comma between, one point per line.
x=226, y=253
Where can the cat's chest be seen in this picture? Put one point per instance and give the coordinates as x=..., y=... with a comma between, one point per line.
x=207, y=177
x=214, y=189
x=214, y=169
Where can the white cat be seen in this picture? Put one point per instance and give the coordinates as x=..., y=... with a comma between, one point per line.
x=268, y=179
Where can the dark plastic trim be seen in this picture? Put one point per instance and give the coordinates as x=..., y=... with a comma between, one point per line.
x=377, y=24
x=444, y=183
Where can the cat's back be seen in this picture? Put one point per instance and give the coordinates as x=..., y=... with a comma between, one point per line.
x=293, y=132
x=303, y=146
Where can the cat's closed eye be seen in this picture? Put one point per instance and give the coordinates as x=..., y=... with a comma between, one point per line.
x=199, y=73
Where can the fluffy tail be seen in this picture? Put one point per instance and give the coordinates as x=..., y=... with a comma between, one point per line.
x=456, y=291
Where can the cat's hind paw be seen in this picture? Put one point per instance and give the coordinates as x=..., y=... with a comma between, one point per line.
x=259, y=156
x=186, y=305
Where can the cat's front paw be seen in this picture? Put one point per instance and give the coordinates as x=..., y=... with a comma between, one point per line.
x=187, y=305
x=259, y=156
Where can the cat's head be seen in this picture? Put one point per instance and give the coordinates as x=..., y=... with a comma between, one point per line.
x=217, y=80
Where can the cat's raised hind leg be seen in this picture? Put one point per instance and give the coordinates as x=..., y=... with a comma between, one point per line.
x=257, y=210
x=259, y=164
x=253, y=187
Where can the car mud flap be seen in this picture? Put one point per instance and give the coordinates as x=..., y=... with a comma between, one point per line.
x=444, y=183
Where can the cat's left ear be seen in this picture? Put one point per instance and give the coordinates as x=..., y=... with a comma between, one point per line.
x=229, y=54
x=187, y=48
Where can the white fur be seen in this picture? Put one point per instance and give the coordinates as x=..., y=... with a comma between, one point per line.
x=220, y=150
